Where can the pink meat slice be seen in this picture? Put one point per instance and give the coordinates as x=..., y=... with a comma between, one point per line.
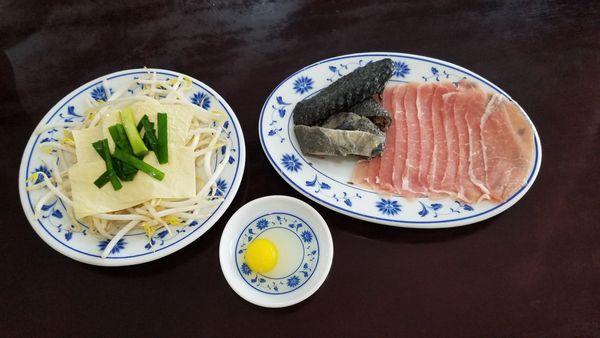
x=386, y=168
x=448, y=183
x=360, y=175
x=507, y=140
x=467, y=190
x=373, y=173
x=401, y=141
x=424, y=115
x=410, y=175
x=439, y=158
x=475, y=109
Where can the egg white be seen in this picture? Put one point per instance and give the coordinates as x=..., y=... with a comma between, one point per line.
x=289, y=249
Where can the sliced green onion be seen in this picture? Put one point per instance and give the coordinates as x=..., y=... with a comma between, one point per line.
x=124, y=171
x=140, y=126
x=103, y=179
x=118, y=168
x=128, y=171
x=117, y=132
x=102, y=149
x=141, y=165
x=135, y=140
x=162, y=146
x=149, y=133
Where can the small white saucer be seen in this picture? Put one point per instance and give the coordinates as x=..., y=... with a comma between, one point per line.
x=276, y=213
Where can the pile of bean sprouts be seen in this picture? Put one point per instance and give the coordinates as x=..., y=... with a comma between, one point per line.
x=206, y=136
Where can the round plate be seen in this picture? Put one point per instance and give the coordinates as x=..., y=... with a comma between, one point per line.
x=135, y=248
x=306, y=242
x=326, y=180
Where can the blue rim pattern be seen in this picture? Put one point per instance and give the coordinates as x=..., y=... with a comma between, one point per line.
x=198, y=226
x=534, y=169
x=294, y=280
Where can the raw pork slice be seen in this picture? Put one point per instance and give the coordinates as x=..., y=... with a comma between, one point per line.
x=410, y=176
x=386, y=168
x=424, y=101
x=439, y=158
x=360, y=176
x=467, y=190
x=399, y=161
x=475, y=110
x=448, y=184
x=373, y=173
x=507, y=139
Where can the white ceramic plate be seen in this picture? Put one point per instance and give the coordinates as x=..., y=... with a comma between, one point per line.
x=325, y=180
x=308, y=248
x=135, y=248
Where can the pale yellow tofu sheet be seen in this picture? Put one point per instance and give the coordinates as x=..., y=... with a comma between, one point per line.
x=84, y=151
x=179, y=182
x=180, y=172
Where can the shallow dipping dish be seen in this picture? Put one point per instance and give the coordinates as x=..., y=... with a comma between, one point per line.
x=53, y=225
x=326, y=179
x=304, y=232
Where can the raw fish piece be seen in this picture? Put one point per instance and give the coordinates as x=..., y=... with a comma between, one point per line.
x=355, y=87
x=351, y=121
x=325, y=141
x=374, y=111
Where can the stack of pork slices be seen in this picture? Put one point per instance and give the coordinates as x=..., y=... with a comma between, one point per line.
x=450, y=140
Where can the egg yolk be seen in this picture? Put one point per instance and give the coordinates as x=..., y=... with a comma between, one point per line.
x=261, y=255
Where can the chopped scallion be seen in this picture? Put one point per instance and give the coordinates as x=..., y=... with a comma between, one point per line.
x=135, y=140
x=102, y=149
x=141, y=165
x=162, y=146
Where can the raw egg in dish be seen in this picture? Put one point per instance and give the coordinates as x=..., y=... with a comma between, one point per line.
x=261, y=255
x=276, y=253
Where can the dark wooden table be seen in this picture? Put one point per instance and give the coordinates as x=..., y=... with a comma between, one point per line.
x=531, y=271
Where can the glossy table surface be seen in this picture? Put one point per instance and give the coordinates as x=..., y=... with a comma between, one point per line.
x=532, y=271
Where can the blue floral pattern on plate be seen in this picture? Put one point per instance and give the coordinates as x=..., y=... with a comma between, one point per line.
x=400, y=69
x=310, y=256
x=388, y=206
x=443, y=75
x=338, y=70
x=303, y=85
x=99, y=94
x=116, y=249
x=291, y=163
x=201, y=99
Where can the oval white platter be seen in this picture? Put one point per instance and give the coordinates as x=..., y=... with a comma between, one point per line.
x=76, y=241
x=326, y=180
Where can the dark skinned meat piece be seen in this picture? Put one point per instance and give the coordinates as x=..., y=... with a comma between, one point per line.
x=374, y=111
x=341, y=95
x=351, y=121
x=325, y=141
